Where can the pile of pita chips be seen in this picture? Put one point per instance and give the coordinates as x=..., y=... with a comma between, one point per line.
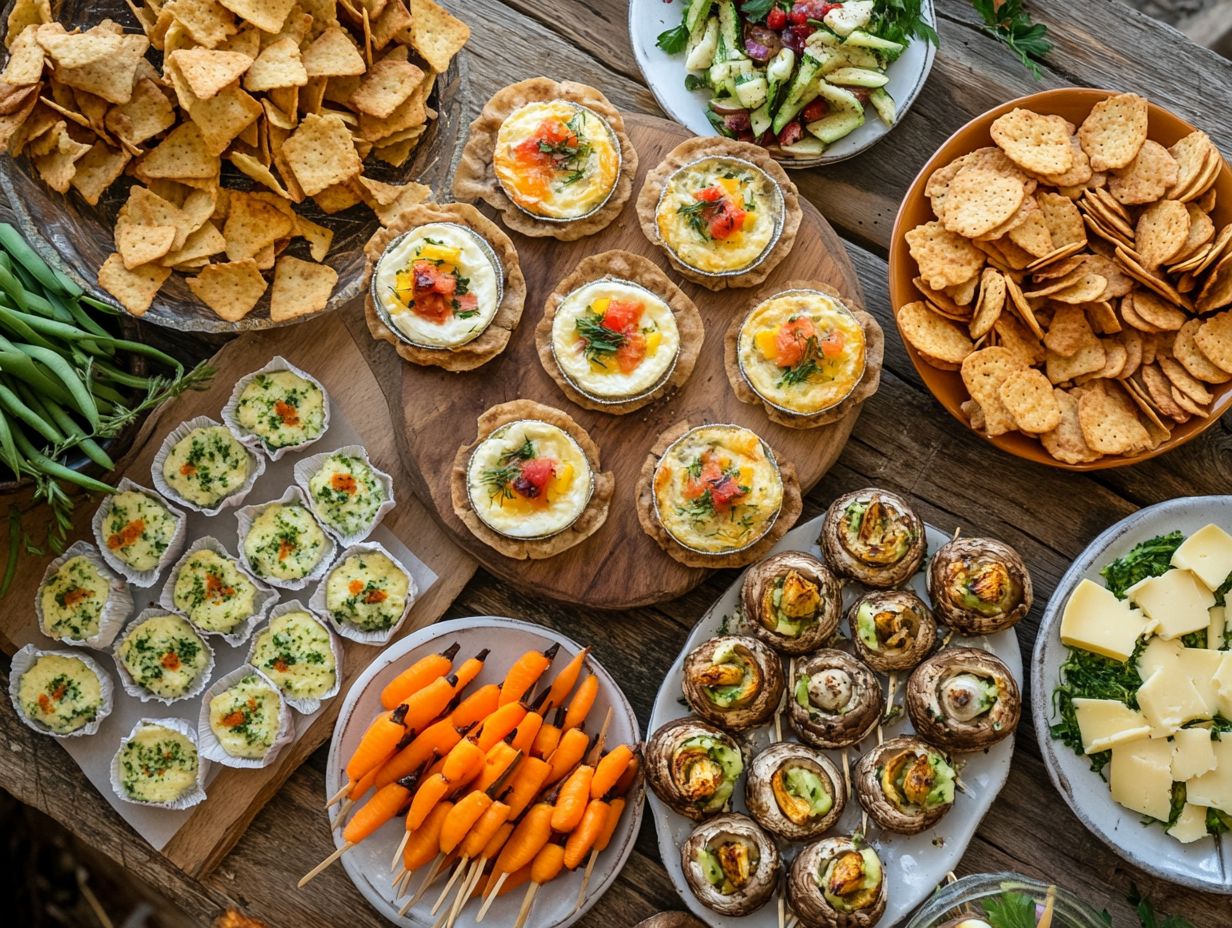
x=294, y=94
x=1075, y=278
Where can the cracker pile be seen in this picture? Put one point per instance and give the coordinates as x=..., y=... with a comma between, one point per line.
x=295, y=94
x=1076, y=278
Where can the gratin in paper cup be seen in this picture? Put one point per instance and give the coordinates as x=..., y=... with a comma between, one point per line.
x=266, y=597
x=24, y=659
x=116, y=610
x=306, y=468
x=209, y=745
x=230, y=410
x=142, y=578
x=305, y=705
x=244, y=518
x=255, y=470
x=135, y=689
x=190, y=798
x=317, y=602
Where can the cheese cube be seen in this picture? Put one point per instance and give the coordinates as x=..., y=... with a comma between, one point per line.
x=1215, y=635
x=1140, y=777
x=1105, y=723
x=1095, y=620
x=1190, y=824
x=1214, y=788
x=1208, y=553
x=1202, y=666
x=1192, y=753
x=1169, y=699
x=1177, y=601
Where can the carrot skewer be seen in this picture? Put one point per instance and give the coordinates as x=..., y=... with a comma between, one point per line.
x=525, y=673
x=530, y=778
x=549, y=735
x=545, y=868
x=485, y=829
x=615, y=809
x=439, y=738
x=418, y=675
x=609, y=770
x=568, y=754
x=477, y=706
x=560, y=688
x=572, y=799
x=528, y=839
x=583, y=701
x=501, y=724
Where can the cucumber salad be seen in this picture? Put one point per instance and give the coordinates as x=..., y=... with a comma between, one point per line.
x=794, y=76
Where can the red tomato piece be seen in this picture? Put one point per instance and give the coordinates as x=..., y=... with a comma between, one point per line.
x=534, y=478
x=622, y=316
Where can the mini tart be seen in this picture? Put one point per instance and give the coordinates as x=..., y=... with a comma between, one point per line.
x=82, y=601
x=697, y=533
x=208, y=587
x=202, y=465
x=649, y=333
x=905, y=785
x=158, y=764
x=806, y=355
x=161, y=657
x=244, y=720
x=299, y=655
x=736, y=181
x=540, y=193
x=526, y=452
x=366, y=594
x=459, y=342
x=278, y=409
x=963, y=699
x=282, y=543
x=59, y=693
x=347, y=493
x=138, y=532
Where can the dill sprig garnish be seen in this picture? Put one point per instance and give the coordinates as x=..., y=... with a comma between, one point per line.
x=601, y=342
x=499, y=479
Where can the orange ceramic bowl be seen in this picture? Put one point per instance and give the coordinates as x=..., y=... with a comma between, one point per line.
x=1074, y=103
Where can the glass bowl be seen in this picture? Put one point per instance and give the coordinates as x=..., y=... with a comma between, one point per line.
x=965, y=898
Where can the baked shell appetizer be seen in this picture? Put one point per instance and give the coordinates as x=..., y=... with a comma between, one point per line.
x=59, y=693
x=792, y=602
x=138, y=533
x=278, y=409
x=82, y=601
x=892, y=630
x=553, y=158
x=805, y=355
x=366, y=595
x=979, y=586
x=734, y=681
x=347, y=493
x=298, y=654
x=244, y=720
x=529, y=485
x=210, y=588
x=794, y=791
x=161, y=657
x=835, y=700
x=873, y=536
x=905, y=785
x=617, y=334
x=724, y=212
x=693, y=767
x=159, y=765
x=203, y=466
x=963, y=699
x=837, y=883
x=731, y=865
x=282, y=543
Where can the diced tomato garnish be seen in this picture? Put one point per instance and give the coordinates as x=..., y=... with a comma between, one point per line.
x=45, y=704
x=776, y=19
x=432, y=292
x=127, y=535
x=710, y=194
x=233, y=719
x=280, y=665
x=712, y=472
x=216, y=589
x=171, y=661
x=728, y=219
x=724, y=493
x=832, y=344
x=792, y=341
x=188, y=469
x=815, y=110
x=534, y=478
x=623, y=316
x=467, y=302
x=376, y=596
x=286, y=548
x=629, y=355
x=287, y=413
x=343, y=483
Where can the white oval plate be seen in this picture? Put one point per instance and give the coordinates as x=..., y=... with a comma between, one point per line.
x=368, y=863
x=916, y=864
x=1202, y=865
x=665, y=73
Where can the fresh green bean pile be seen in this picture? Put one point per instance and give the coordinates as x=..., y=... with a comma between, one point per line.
x=63, y=387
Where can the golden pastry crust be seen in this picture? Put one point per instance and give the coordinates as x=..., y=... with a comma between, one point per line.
x=789, y=512
x=592, y=517
x=495, y=337
x=626, y=266
x=717, y=146
x=874, y=351
x=475, y=178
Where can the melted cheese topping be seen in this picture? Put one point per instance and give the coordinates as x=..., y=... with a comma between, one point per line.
x=556, y=159
x=207, y=465
x=453, y=248
x=610, y=375
x=685, y=231
x=366, y=590
x=72, y=600
x=493, y=473
x=281, y=408
x=294, y=652
x=700, y=469
x=802, y=351
x=59, y=693
x=213, y=592
x=244, y=717
x=163, y=655
x=345, y=493
x=158, y=764
x=138, y=529
x=285, y=542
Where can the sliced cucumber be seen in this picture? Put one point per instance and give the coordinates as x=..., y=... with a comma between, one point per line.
x=752, y=90
x=856, y=57
x=829, y=129
x=729, y=29
x=701, y=52
x=852, y=15
x=760, y=119
x=805, y=148
x=801, y=91
x=825, y=38
x=698, y=11
x=778, y=72
x=841, y=99
x=883, y=103
x=857, y=77
x=861, y=39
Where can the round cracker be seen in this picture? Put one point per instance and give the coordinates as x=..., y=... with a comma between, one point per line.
x=932, y=335
x=1033, y=141
x=1028, y=396
x=1145, y=179
x=1114, y=131
x=1186, y=350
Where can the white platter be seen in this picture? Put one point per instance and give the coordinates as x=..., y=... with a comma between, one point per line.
x=915, y=865
x=665, y=74
x=1205, y=864
x=367, y=864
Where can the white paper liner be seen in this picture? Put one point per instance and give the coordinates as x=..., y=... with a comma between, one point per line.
x=307, y=467
x=209, y=745
x=256, y=469
x=24, y=659
x=317, y=602
x=133, y=688
x=266, y=597
x=141, y=578
x=304, y=704
x=116, y=610
x=246, y=515
x=277, y=363
x=189, y=799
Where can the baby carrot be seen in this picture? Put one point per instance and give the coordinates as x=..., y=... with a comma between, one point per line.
x=431, y=791
x=477, y=706
x=417, y=676
x=548, y=738
x=496, y=763
x=384, y=805
x=423, y=844
x=525, y=673
x=463, y=762
x=470, y=669
x=528, y=838
x=438, y=739
x=496, y=841
x=547, y=864
x=527, y=731
x=616, y=808
x=609, y=770
x=378, y=743
x=563, y=684
x=529, y=779
x=568, y=753
x=464, y=814
x=572, y=799
x=423, y=706
x=501, y=723
x=625, y=783
x=582, y=702
x=584, y=837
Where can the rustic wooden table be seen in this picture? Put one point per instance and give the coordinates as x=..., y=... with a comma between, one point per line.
x=904, y=441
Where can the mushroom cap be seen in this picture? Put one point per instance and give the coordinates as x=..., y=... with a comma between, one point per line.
x=805, y=897
x=660, y=754
x=960, y=554
x=873, y=798
x=747, y=713
x=836, y=677
x=759, y=795
x=932, y=713
x=763, y=881
x=885, y=570
x=758, y=587
x=923, y=633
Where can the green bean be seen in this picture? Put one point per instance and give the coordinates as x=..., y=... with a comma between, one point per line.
x=15, y=322
x=12, y=242
x=56, y=470
x=107, y=395
x=8, y=450
x=64, y=372
x=25, y=299
x=10, y=564
x=21, y=367
x=89, y=447
x=120, y=376
x=11, y=402
x=81, y=317
x=100, y=305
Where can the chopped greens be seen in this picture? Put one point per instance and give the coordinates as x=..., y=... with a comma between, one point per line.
x=601, y=342
x=1011, y=909
x=1148, y=559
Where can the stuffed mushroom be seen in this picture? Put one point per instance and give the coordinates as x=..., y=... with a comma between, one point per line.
x=794, y=791
x=733, y=681
x=792, y=602
x=892, y=629
x=873, y=536
x=979, y=586
x=835, y=700
x=837, y=883
x=905, y=785
x=693, y=767
x=731, y=865
x=963, y=699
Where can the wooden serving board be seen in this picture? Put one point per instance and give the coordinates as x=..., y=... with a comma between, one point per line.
x=325, y=348
x=619, y=566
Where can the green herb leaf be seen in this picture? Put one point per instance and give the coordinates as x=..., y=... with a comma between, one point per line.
x=1010, y=910
x=673, y=40
x=756, y=10
x=1146, y=912
x=601, y=342
x=901, y=20
x=1148, y=559
x=1009, y=22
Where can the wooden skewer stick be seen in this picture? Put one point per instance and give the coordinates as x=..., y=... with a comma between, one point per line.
x=590, y=868
x=782, y=913
x=316, y=871
x=891, y=692
x=427, y=880
x=527, y=901
x=1050, y=900
x=457, y=872
x=846, y=775
x=491, y=897
x=342, y=811
x=338, y=795
x=464, y=896
x=601, y=740
x=393, y=864
x=401, y=882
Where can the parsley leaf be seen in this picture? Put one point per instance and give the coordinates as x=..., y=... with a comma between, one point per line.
x=901, y=20
x=1148, y=559
x=1009, y=22
x=673, y=40
x=1010, y=910
x=756, y=10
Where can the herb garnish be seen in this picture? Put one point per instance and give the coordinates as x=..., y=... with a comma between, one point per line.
x=499, y=479
x=1009, y=22
x=1148, y=559
x=601, y=342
